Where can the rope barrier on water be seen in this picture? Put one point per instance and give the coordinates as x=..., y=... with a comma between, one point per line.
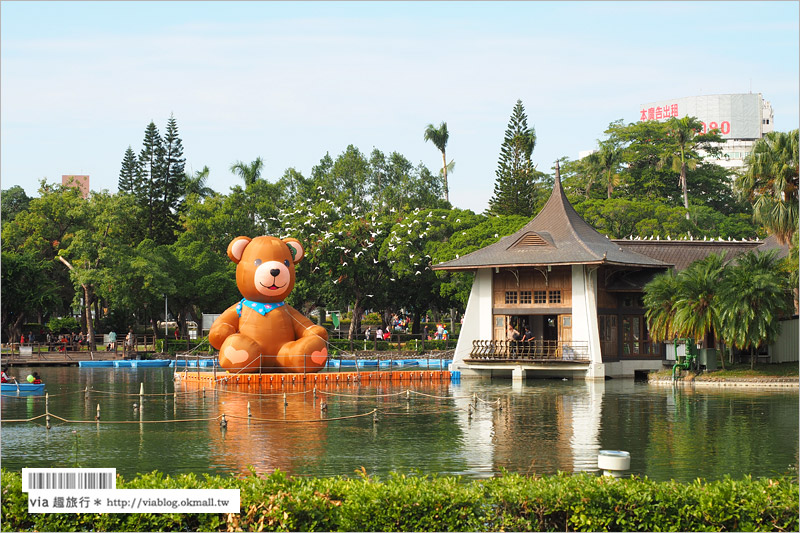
x=306, y=420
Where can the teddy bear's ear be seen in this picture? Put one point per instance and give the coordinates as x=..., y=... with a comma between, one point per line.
x=236, y=248
x=296, y=248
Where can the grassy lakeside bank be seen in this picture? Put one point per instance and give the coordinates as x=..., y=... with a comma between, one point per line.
x=563, y=502
x=763, y=372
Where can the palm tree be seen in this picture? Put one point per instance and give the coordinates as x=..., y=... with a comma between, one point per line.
x=604, y=164
x=439, y=138
x=754, y=294
x=697, y=308
x=770, y=183
x=196, y=183
x=682, y=154
x=659, y=302
x=250, y=173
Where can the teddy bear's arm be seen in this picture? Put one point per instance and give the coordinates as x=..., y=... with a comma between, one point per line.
x=224, y=326
x=303, y=327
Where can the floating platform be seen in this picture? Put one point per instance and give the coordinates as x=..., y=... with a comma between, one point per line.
x=95, y=364
x=320, y=378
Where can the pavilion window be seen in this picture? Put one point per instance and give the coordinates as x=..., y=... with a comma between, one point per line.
x=555, y=297
x=525, y=297
x=540, y=297
x=511, y=297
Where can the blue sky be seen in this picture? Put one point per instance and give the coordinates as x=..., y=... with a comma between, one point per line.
x=290, y=82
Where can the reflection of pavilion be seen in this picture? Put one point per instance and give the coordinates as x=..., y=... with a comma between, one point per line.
x=562, y=432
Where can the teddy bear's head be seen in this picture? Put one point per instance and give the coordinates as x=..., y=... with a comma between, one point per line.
x=265, y=266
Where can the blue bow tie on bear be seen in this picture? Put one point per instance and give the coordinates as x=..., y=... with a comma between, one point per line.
x=258, y=307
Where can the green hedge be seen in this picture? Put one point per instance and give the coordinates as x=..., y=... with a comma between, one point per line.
x=564, y=502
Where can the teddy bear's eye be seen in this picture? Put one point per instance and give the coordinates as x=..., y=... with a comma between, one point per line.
x=286, y=262
x=257, y=262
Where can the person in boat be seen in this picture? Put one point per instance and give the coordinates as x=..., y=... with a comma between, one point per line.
x=36, y=378
x=5, y=377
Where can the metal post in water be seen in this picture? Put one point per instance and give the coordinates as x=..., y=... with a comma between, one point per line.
x=97, y=416
x=47, y=410
x=249, y=413
x=86, y=393
x=141, y=393
x=285, y=403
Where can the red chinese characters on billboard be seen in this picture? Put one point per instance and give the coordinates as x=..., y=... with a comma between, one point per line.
x=659, y=112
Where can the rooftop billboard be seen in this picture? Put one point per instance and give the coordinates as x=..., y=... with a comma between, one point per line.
x=736, y=116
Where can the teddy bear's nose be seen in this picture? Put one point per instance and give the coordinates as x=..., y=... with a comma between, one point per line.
x=275, y=271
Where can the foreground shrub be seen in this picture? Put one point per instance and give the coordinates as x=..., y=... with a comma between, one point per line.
x=563, y=502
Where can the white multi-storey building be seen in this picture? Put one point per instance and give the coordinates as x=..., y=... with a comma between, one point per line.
x=741, y=119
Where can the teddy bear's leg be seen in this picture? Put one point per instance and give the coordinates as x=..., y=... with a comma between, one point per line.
x=307, y=354
x=240, y=353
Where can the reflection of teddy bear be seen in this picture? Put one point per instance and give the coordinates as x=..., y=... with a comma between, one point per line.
x=261, y=332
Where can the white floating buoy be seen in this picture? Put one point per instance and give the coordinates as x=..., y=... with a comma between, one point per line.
x=613, y=462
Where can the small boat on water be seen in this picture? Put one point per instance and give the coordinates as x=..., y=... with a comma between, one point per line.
x=29, y=388
x=95, y=364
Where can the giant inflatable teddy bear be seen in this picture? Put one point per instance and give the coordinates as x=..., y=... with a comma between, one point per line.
x=261, y=332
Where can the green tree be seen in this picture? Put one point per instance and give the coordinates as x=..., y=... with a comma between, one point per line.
x=157, y=180
x=174, y=184
x=249, y=172
x=659, y=301
x=754, y=295
x=682, y=150
x=515, y=189
x=13, y=200
x=697, y=304
x=603, y=166
x=129, y=173
x=770, y=182
x=29, y=290
x=439, y=137
x=196, y=183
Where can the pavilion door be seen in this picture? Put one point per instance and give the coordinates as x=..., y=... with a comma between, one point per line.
x=565, y=329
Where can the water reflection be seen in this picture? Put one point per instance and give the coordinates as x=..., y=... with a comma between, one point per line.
x=474, y=429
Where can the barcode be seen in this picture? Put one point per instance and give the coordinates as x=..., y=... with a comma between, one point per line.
x=69, y=478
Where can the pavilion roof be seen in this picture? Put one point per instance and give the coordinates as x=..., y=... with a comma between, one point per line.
x=556, y=236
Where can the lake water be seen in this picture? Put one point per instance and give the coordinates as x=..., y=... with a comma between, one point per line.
x=470, y=429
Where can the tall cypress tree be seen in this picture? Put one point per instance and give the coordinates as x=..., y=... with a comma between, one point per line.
x=151, y=178
x=174, y=183
x=157, y=179
x=515, y=189
x=128, y=172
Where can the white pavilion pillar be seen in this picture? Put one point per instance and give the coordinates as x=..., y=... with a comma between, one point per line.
x=584, y=316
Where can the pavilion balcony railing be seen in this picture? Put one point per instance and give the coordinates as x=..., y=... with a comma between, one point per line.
x=534, y=351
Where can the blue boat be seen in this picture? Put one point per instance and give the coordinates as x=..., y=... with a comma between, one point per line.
x=333, y=363
x=402, y=363
x=364, y=363
x=23, y=387
x=123, y=364
x=95, y=364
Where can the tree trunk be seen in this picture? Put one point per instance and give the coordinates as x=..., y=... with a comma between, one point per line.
x=88, y=300
x=685, y=188
x=355, y=322
x=444, y=171
x=415, y=325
